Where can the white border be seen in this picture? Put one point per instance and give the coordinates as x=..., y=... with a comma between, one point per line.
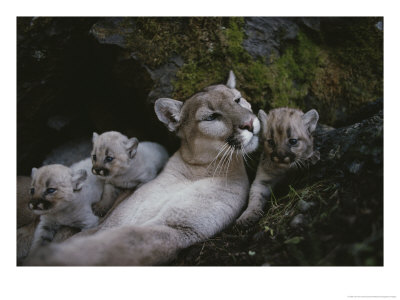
x=198, y=283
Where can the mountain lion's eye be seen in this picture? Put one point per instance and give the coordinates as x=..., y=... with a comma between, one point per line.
x=109, y=158
x=94, y=157
x=271, y=142
x=292, y=141
x=211, y=117
x=237, y=100
x=50, y=191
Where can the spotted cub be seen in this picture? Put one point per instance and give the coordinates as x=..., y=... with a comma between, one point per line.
x=287, y=144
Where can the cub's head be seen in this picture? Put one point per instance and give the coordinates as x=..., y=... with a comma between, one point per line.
x=111, y=153
x=287, y=135
x=215, y=118
x=53, y=188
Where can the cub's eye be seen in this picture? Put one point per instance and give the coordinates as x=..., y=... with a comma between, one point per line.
x=271, y=142
x=109, y=159
x=211, y=117
x=50, y=191
x=32, y=191
x=94, y=157
x=237, y=100
x=292, y=142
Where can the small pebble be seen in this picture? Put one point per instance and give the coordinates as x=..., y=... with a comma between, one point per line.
x=304, y=206
x=297, y=221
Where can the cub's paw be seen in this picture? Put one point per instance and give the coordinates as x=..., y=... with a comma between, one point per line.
x=99, y=210
x=248, y=219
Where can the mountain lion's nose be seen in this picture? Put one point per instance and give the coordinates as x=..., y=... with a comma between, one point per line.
x=248, y=125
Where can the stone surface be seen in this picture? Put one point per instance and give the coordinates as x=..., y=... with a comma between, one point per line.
x=265, y=35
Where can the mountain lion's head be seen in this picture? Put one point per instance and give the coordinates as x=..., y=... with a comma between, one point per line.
x=215, y=119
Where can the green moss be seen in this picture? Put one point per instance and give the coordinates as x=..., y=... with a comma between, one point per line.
x=288, y=78
x=211, y=67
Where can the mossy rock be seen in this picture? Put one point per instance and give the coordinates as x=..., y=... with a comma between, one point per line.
x=334, y=67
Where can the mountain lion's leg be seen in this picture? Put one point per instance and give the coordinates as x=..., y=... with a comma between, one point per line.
x=118, y=246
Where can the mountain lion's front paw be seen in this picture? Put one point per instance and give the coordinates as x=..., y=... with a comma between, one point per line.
x=248, y=218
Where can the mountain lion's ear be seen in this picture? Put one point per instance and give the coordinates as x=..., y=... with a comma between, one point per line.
x=168, y=111
x=231, y=83
x=262, y=116
x=310, y=120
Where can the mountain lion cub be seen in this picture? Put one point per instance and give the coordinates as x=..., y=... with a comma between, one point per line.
x=201, y=190
x=287, y=144
x=63, y=196
x=123, y=163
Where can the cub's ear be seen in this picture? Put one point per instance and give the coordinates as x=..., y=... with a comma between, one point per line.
x=33, y=172
x=95, y=136
x=131, y=146
x=262, y=116
x=310, y=120
x=168, y=111
x=231, y=83
x=78, y=178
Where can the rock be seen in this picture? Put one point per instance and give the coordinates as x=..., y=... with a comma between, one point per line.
x=163, y=77
x=117, y=31
x=297, y=221
x=69, y=152
x=312, y=23
x=265, y=35
x=355, y=167
x=58, y=122
x=304, y=206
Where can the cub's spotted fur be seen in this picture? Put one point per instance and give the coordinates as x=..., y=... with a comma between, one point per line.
x=287, y=144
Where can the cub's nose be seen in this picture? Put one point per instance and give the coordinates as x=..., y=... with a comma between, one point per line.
x=281, y=157
x=36, y=204
x=248, y=125
x=33, y=203
x=100, y=171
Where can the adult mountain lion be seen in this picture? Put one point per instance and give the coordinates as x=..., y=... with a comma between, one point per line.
x=201, y=190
